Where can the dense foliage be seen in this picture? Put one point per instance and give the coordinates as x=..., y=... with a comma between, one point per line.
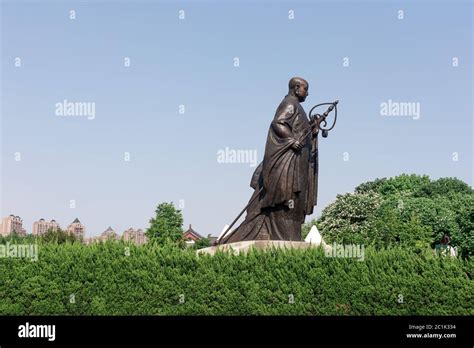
x=202, y=243
x=59, y=236
x=114, y=278
x=167, y=225
x=408, y=210
x=397, y=220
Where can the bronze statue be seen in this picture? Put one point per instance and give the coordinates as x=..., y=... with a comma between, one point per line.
x=285, y=182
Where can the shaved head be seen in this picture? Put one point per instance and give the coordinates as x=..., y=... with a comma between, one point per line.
x=298, y=87
x=296, y=81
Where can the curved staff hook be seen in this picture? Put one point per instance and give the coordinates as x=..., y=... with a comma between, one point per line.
x=321, y=119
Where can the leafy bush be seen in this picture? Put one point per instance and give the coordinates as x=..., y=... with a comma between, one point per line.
x=59, y=236
x=351, y=218
x=409, y=210
x=100, y=279
x=416, y=185
x=202, y=243
x=444, y=187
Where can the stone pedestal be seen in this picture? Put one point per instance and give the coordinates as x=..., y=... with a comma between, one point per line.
x=245, y=246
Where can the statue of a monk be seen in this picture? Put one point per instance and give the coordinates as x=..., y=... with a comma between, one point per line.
x=288, y=175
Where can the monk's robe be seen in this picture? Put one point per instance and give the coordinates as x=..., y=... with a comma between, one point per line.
x=288, y=178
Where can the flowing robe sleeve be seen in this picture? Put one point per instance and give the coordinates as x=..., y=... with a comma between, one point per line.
x=281, y=169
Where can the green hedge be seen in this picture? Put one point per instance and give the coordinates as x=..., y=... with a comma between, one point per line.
x=153, y=279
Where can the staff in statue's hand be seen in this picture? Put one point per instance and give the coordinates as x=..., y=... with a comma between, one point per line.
x=317, y=119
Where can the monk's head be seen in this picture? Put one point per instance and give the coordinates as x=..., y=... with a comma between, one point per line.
x=298, y=87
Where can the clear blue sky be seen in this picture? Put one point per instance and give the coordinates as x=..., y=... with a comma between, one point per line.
x=190, y=62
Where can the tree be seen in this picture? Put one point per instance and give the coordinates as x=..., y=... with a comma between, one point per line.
x=409, y=210
x=58, y=236
x=350, y=218
x=444, y=187
x=202, y=243
x=166, y=226
x=370, y=186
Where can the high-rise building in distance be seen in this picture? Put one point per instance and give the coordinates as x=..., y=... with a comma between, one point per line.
x=12, y=224
x=42, y=226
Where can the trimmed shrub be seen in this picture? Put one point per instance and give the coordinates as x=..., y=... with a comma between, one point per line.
x=164, y=280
